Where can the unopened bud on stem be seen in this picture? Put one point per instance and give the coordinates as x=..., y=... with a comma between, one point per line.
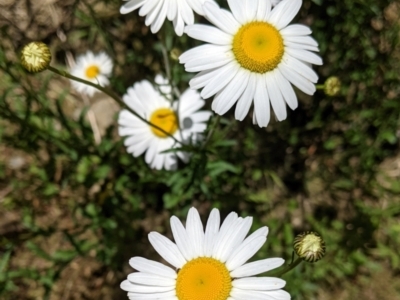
x=332, y=86
x=309, y=246
x=35, y=57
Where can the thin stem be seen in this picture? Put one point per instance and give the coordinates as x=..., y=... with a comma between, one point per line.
x=320, y=86
x=211, y=131
x=166, y=61
x=174, y=90
x=289, y=267
x=112, y=95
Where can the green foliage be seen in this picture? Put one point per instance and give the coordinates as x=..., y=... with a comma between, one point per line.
x=321, y=169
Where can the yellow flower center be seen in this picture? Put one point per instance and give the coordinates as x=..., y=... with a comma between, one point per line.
x=258, y=47
x=92, y=72
x=166, y=119
x=203, y=278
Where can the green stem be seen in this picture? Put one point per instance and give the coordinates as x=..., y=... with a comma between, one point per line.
x=211, y=131
x=112, y=95
x=289, y=267
x=320, y=86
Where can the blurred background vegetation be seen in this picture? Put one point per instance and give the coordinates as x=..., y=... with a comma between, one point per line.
x=74, y=206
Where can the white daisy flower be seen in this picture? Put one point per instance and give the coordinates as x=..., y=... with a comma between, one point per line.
x=180, y=12
x=252, y=56
x=155, y=105
x=95, y=68
x=209, y=265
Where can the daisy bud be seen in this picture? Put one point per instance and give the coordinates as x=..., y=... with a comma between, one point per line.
x=175, y=53
x=332, y=86
x=309, y=246
x=35, y=57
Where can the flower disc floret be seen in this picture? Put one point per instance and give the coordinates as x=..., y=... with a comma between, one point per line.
x=92, y=72
x=203, y=278
x=166, y=119
x=258, y=47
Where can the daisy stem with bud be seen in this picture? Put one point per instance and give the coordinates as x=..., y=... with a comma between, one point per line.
x=289, y=267
x=112, y=95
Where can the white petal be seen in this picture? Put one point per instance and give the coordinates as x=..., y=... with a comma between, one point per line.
x=225, y=74
x=181, y=238
x=304, y=55
x=212, y=229
x=304, y=40
x=196, y=5
x=148, y=6
x=296, y=79
x=300, y=67
x=208, y=34
x=256, y=295
x=209, y=62
x=201, y=116
x=220, y=18
x=156, y=25
x=245, y=101
x=261, y=103
x=206, y=77
x=259, y=283
x=186, y=12
x=295, y=30
x=286, y=90
x=225, y=227
x=131, y=6
x=264, y=8
x=151, y=151
x=194, y=228
x=299, y=46
x=247, y=249
x=238, y=10
x=150, y=279
x=153, y=14
x=225, y=240
x=179, y=25
x=172, y=10
x=203, y=50
x=167, y=249
x=284, y=12
x=146, y=289
x=236, y=238
x=257, y=267
x=250, y=9
x=149, y=266
x=152, y=296
x=275, y=96
x=231, y=93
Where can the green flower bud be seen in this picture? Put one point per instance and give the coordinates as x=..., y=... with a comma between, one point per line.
x=332, y=86
x=35, y=57
x=309, y=246
x=175, y=53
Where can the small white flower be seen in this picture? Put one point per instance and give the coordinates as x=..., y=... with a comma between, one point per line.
x=208, y=264
x=95, y=68
x=155, y=105
x=252, y=56
x=180, y=12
